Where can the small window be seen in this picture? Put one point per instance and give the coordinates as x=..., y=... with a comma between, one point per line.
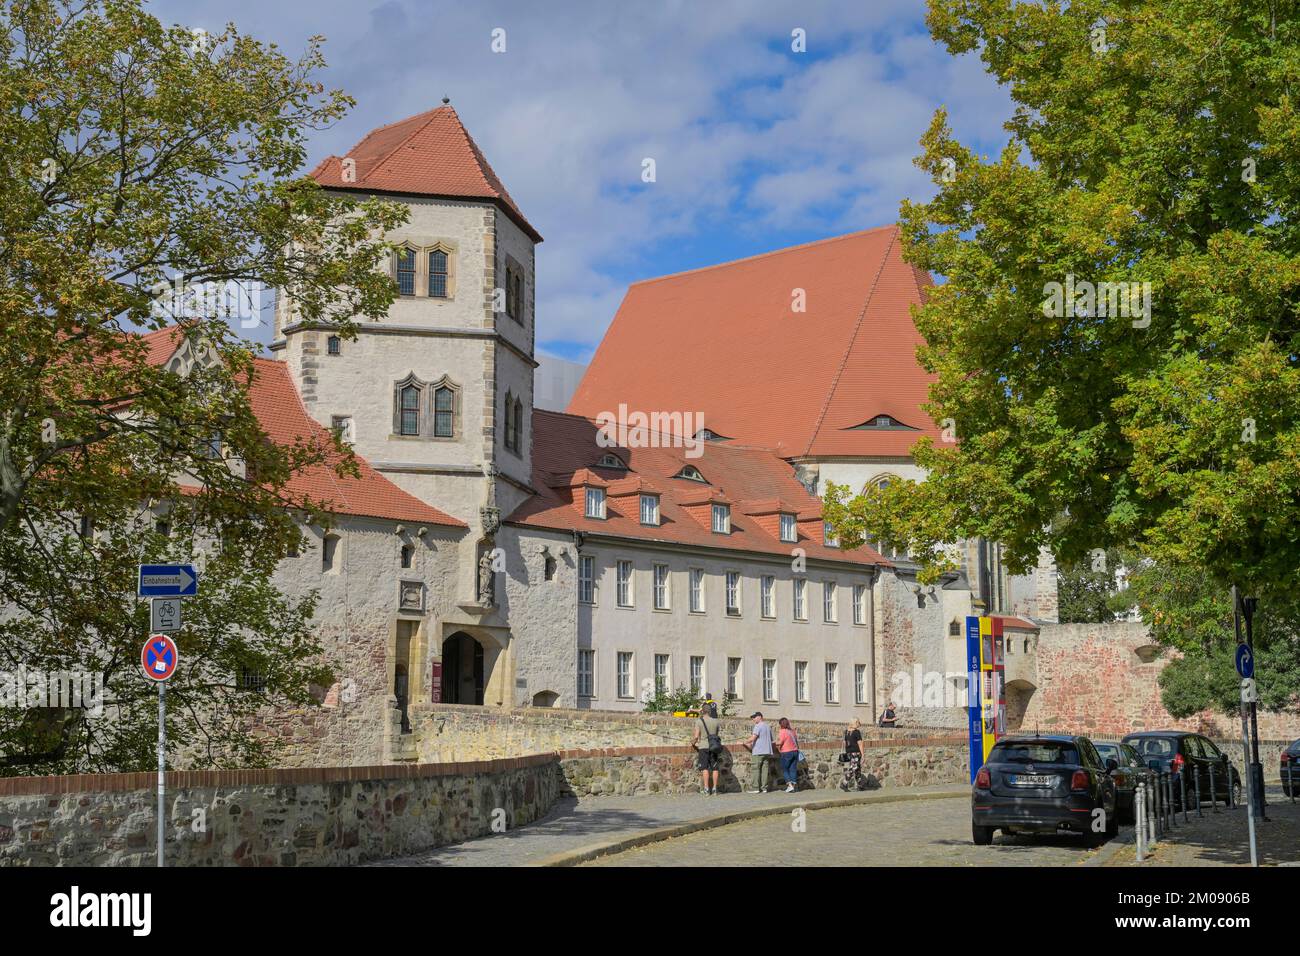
x=663, y=596
x=830, y=602
x=800, y=590
x=859, y=604
x=767, y=592
x=510, y=430
x=697, y=590
x=829, y=538
x=662, y=675
x=611, y=461
x=329, y=553
x=625, y=674
x=624, y=595
x=860, y=683
x=697, y=675
x=162, y=528
x=769, y=680
x=334, y=345
x=789, y=530
x=519, y=426
x=690, y=473
x=409, y=395
x=722, y=519
x=408, y=555
x=444, y=412
x=252, y=681
x=405, y=270
x=801, y=682
x=595, y=507
x=733, y=677
x=733, y=593
x=438, y=274
x=586, y=579
x=650, y=510
x=586, y=673
x=832, y=682
x=341, y=425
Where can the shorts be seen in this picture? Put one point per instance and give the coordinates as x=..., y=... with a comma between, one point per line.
x=706, y=759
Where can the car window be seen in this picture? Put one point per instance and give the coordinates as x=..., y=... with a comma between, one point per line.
x=1153, y=746
x=1110, y=752
x=1192, y=745
x=1039, y=752
x=1090, y=752
x=1130, y=756
x=1209, y=749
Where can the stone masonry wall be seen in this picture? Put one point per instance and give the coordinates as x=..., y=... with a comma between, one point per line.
x=1094, y=681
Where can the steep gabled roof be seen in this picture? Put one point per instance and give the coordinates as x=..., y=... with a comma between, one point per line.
x=726, y=342
x=430, y=154
x=565, y=448
x=279, y=410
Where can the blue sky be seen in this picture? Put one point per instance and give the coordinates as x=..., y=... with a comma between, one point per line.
x=756, y=147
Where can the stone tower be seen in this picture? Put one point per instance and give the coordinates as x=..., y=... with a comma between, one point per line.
x=438, y=394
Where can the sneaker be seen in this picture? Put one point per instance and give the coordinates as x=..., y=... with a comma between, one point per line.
x=704, y=792
x=713, y=792
x=789, y=788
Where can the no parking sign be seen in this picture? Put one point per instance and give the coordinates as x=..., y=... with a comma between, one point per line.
x=159, y=657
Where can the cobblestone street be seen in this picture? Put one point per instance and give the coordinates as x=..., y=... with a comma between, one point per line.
x=1220, y=839
x=928, y=833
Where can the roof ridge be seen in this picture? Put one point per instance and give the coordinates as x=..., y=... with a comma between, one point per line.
x=764, y=255
x=848, y=348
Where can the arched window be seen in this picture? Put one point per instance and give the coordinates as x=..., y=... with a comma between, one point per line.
x=510, y=423
x=404, y=269
x=438, y=274
x=444, y=412
x=690, y=473
x=409, y=396
x=334, y=345
x=610, y=460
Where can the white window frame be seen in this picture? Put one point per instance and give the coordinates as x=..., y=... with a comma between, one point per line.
x=587, y=656
x=832, y=682
x=663, y=673
x=801, y=682
x=624, y=577
x=663, y=591
x=736, y=677
x=860, y=683
x=696, y=576
x=625, y=678
x=698, y=680
x=595, y=503
x=733, y=595
x=830, y=602
x=789, y=528
x=829, y=538
x=767, y=597
x=860, y=604
x=650, y=509
x=799, y=594
x=586, y=581
x=770, y=687
x=722, y=519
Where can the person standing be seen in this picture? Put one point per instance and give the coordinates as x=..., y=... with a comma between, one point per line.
x=760, y=747
x=789, y=745
x=855, y=752
x=889, y=718
x=707, y=742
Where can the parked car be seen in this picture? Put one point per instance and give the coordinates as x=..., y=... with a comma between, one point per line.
x=1291, y=769
x=1187, y=756
x=1130, y=771
x=1043, y=784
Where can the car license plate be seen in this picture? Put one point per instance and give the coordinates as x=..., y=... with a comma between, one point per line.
x=1032, y=780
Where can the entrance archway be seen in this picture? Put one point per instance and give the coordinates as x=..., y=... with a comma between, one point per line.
x=462, y=670
x=1018, y=694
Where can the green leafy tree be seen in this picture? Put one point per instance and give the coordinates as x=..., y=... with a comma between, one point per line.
x=1150, y=143
x=1086, y=591
x=140, y=159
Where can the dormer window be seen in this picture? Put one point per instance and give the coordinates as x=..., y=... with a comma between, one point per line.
x=884, y=422
x=789, y=530
x=650, y=510
x=829, y=537
x=708, y=434
x=595, y=503
x=691, y=473
x=722, y=519
x=610, y=460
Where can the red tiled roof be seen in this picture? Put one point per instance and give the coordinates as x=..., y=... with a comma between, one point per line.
x=280, y=411
x=726, y=343
x=430, y=154
x=1018, y=623
x=565, y=446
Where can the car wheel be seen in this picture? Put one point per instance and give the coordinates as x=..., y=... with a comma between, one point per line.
x=981, y=836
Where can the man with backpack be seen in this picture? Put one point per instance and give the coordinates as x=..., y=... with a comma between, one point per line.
x=707, y=742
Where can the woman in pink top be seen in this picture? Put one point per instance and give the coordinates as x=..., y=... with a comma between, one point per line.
x=789, y=747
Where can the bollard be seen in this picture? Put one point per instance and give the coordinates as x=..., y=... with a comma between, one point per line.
x=1214, y=792
x=1182, y=790
x=1173, y=808
x=1140, y=820
x=1159, y=810
x=1152, y=835
x=1229, y=800
x=1290, y=780
x=1197, y=781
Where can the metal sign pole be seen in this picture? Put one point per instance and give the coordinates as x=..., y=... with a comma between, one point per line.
x=1250, y=797
x=162, y=763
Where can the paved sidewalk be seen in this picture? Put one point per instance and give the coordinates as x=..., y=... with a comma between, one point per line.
x=575, y=825
x=1222, y=839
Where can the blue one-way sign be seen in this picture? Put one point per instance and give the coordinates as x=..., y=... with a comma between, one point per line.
x=168, y=580
x=1245, y=661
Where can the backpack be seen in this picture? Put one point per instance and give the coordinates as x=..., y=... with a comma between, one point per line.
x=714, y=740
